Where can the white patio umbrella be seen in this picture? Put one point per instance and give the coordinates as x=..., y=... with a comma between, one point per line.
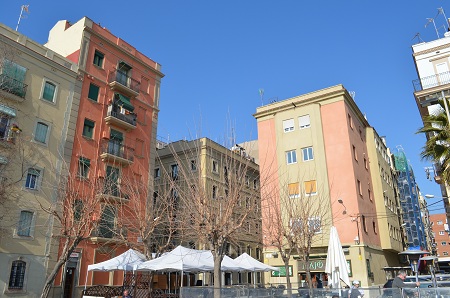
x=336, y=264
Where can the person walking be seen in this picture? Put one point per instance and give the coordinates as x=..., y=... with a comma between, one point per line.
x=355, y=291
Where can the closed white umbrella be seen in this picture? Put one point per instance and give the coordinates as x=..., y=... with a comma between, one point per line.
x=336, y=264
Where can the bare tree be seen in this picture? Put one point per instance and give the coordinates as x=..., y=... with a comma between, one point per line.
x=216, y=194
x=296, y=217
x=75, y=212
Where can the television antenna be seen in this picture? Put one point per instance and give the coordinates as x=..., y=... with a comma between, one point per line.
x=441, y=11
x=21, y=16
x=418, y=37
x=431, y=20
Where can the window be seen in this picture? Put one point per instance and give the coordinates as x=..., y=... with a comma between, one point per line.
x=84, y=165
x=445, y=253
x=123, y=74
x=88, y=128
x=78, y=210
x=363, y=221
x=157, y=173
x=193, y=165
x=439, y=222
x=308, y=154
x=93, y=92
x=215, y=166
x=49, y=92
x=214, y=192
x=315, y=225
x=17, y=275
x=304, y=122
x=355, y=155
x=41, y=133
x=359, y=187
x=350, y=121
x=247, y=181
x=25, y=224
x=441, y=233
x=291, y=157
x=310, y=187
x=174, y=171
x=255, y=183
x=142, y=116
x=98, y=58
x=288, y=125
x=32, y=180
x=374, y=226
x=112, y=181
x=294, y=191
x=13, y=78
x=444, y=243
x=369, y=194
x=365, y=163
x=155, y=197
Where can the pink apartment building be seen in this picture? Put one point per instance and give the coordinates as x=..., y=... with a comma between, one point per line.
x=317, y=142
x=115, y=138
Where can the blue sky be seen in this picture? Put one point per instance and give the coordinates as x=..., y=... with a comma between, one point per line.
x=216, y=55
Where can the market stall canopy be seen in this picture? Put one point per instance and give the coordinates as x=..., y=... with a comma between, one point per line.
x=336, y=264
x=126, y=261
x=250, y=264
x=180, y=259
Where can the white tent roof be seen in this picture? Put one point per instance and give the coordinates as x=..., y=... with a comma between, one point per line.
x=125, y=261
x=180, y=259
x=336, y=264
x=250, y=264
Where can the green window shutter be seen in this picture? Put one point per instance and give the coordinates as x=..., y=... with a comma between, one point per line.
x=116, y=135
x=93, y=92
x=125, y=102
x=85, y=161
x=49, y=91
x=88, y=128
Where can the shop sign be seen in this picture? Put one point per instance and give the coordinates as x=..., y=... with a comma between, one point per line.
x=314, y=265
x=282, y=272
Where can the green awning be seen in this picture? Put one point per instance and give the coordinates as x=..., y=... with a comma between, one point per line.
x=125, y=102
x=7, y=110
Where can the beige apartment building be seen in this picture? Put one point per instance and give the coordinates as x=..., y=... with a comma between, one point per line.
x=39, y=96
x=322, y=144
x=213, y=166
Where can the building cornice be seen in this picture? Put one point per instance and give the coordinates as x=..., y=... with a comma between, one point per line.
x=434, y=49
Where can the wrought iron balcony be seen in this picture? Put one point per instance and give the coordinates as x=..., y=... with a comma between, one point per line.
x=431, y=81
x=116, y=117
x=119, y=80
x=115, y=152
x=13, y=86
x=108, y=233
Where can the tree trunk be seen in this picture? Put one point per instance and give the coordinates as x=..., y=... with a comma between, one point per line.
x=67, y=250
x=288, y=278
x=217, y=274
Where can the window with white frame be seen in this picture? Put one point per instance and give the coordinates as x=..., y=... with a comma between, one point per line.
x=307, y=153
x=294, y=190
x=17, y=275
x=439, y=222
x=445, y=253
x=304, y=121
x=25, y=224
x=441, y=233
x=33, y=178
x=291, y=157
x=310, y=187
x=288, y=125
x=444, y=243
x=41, y=132
x=49, y=91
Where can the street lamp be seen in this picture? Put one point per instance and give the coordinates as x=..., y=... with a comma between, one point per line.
x=413, y=258
x=345, y=208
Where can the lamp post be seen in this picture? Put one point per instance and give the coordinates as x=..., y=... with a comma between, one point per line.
x=413, y=258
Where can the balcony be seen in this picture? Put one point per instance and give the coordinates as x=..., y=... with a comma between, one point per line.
x=110, y=234
x=125, y=120
x=122, y=82
x=12, y=88
x=112, y=194
x=115, y=152
x=431, y=81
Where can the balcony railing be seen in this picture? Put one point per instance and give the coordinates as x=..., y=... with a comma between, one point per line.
x=13, y=86
x=123, y=79
x=108, y=232
x=115, y=151
x=129, y=118
x=431, y=81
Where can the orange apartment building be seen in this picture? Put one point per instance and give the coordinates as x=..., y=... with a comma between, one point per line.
x=115, y=137
x=319, y=141
x=441, y=237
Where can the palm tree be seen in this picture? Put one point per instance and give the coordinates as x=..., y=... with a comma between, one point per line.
x=437, y=146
